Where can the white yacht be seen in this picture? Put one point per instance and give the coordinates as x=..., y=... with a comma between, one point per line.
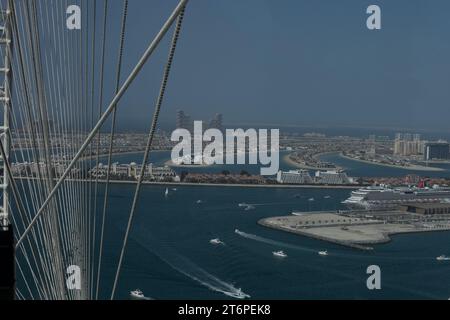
x=323, y=253
x=137, y=295
x=280, y=254
x=443, y=258
x=247, y=206
x=239, y=294
x=216, y=242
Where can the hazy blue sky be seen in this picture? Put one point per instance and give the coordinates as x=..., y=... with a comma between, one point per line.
x=294, y=62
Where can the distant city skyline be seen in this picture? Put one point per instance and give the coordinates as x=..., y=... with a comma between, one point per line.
x=185, y=121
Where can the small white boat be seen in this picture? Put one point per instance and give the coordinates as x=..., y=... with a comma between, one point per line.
x=167, y=192
x=327, y=197
x=323, y=253
x=175, y=189
x=443, y=258
x=247, y=206
x=216, y=242
x=280, y=254
x=311, y=199
x=137, y=295
x=238, y=294
x=199, y=202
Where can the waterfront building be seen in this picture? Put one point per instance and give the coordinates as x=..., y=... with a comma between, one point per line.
x=32, y=169
x=408, y=144
x=135, y=170
x=184, y=121
x=294, y=177
x=132, y=171
x=437, y=151
x=217, y=122
x=427, y=208
x=118, y=169
x=332, y=178
x=413, y=179
x=161, y=173
x=20, y=169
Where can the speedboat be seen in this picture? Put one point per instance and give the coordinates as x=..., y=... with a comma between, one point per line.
x=323, y=253
x=238, y=294
x=167, y=192
x=199, y=202
x=216, y=242
x=280, y=254
x=443, y=258
x=137, y=295
x=311, y=199
x=247, y=206
x=327, y=197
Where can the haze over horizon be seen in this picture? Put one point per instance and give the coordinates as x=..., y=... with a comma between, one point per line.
x=306, y=63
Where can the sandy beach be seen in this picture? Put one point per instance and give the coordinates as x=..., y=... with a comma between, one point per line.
x=174, y=165
x=287, y=159
x=410, y=168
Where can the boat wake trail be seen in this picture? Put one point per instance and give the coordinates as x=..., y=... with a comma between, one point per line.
x=186, y=267
x=273, y=242
x=335, y=254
